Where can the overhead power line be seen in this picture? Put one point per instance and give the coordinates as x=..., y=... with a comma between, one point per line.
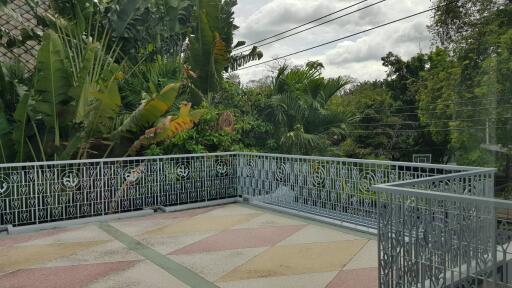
x=433, y=121
x=434, y=112
x=423, y=130
x=315, y=26
x=348, y=36
x=381, y=111
x=300, y=26
x=454, y=102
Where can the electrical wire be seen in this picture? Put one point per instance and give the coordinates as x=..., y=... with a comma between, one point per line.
x=315, y=26
x=300, y=26
x=456, y=102
x=435, y=112
x=423, y=130
x=434, y=121
x=348, y=36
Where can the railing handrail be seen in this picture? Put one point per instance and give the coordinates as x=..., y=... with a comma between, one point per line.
x=405, y=183
x=497, y=203
x=321, y=158
x=6, y=165
x=353, y=160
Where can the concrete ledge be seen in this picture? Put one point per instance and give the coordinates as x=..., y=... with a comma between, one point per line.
x=314, y=217
x=62, y=224
x=198, y=205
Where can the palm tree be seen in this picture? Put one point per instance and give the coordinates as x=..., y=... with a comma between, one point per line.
x=299, y=107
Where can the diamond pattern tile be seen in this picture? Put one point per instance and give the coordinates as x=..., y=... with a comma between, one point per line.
x=241, y=238
x=231, y=246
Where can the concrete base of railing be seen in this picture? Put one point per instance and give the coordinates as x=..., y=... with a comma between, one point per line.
x=198, y=205
x=321, y=219
x=62, y=224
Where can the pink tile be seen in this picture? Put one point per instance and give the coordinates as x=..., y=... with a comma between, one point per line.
x=240, y=239
x=357, y=278
x=21, y=238
x=62, y=277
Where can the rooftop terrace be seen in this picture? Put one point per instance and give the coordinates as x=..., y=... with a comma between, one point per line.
x=230, y=246
x=435, y=225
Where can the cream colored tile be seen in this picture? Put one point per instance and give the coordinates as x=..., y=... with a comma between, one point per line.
x=84, y=233
x=229, y=210
x=269, y=220
x=366, y=258
x=201, y=224
x=297, y=259
x=213, y=265
x=315, y=280
x=111, y=251
x=140, y=227
x=19, y=257
x=144, y=274
x=316, y=234
x=167, y=244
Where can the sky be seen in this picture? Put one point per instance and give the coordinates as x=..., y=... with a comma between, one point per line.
x=357, y=57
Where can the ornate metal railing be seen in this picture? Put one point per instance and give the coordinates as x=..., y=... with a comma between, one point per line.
x=36, y=193
x=438, y=226
x=330, y=187
x=444, y=231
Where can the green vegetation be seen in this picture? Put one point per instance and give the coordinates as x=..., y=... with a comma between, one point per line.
x=115, y=78
x=112, y=78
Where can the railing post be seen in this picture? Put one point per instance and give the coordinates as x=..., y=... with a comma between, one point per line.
x=156, y=181
x=36, y=191
x=379, y=239
x=238, y=169
x=206, y=175
x=103, y=179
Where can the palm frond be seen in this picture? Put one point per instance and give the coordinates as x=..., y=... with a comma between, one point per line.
x=298, y=141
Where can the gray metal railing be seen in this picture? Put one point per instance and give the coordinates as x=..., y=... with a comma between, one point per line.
x=330, y=187
x=34, y=193
x=444, y=231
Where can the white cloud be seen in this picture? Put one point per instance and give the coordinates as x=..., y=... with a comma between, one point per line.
x=358, y=57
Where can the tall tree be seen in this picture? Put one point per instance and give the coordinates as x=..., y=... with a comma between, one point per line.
x=299, y=108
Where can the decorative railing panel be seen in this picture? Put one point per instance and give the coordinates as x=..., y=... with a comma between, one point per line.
x=55, y=191
x=438, y=232
x=331, y=187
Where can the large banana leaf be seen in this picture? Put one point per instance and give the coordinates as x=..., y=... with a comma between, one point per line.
x=239, y=60
x=105, y=106
x=4, y=124
x=127, y=10
x=149, y=111
x=209, y=55
x=201, y=47
x=212, y=10
x=220, y=56
x=81, y=92
x=13, y=114
x=21, y=117
x=4, y=132
x=168, y=128
x=52, y=84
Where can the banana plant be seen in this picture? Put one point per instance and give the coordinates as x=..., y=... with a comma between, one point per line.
x=168, y=127
x=211, y=46
x=51, y=88
x=74, y=101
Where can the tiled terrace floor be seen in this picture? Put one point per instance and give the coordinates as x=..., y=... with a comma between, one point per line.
x=230, y=246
